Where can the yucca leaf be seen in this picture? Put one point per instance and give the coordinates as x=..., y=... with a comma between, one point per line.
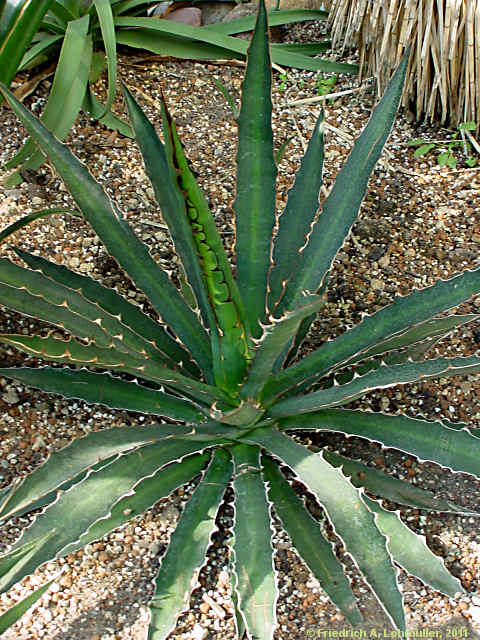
x=19, y=21
x=304, y=48
x=31, y=217
x=348, y=513
x=308, y=541
x=119, y=239
x=275, y=18
x=252, y=561
x=107, y=27
x=222, y=289
x=10, y=617
x=340, y=209
x=273, y=342
x=116, y=305
x=103, y=388
x=93, y=106
x=146, y=493
x=78, y=456
x=374, y=333
x=66, y=95
x=410, y=551
x=296, y=220
x=77, y=509
x=385, y=485
x=40, y=51
x=383, y=377
x=189, y=543
x=456, y=449
x=256, y=174
x=73, y=352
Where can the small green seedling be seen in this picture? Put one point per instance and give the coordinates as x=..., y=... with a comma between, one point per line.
x=325, y=84
x=446, y=156
x=284, y=78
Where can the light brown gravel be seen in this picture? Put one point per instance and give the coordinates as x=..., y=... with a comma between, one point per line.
x=418, y=223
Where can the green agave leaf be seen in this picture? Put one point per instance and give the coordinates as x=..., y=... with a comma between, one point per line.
x=46, y=296
x=275, y=18
x=19, y=22
x=252, y=555
x=389, y=328
x=348, y=513
x=78, y=456
x=340, y=209
x=146, y=493
x=410, y=551
x=185, y=555
x=456, y=449
x=296, y=220
x=273, y=342
x=254, y=204
x=120, y=240
x=391, y=488
x=116, y=305
x=22, y=554
x=66, y=95
x=381, y=378
x=103, y=388
x=10, y=617
x=77, y=509
x=307, y=539
x=222, y=290
x=73, y=352
x=107, y=27
x=31, y=217
x=161, y=169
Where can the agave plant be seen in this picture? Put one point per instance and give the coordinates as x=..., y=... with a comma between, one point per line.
x=225, y=378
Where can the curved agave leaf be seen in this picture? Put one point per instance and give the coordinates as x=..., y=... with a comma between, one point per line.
x=252, y=555
x=77, y=509
x=103, y=388
x=378, y=333
x=347, y=512
x=382, y=484
x=116, y=305
x=410, y=551
x=107, y=27
x=308, y=541
x=254, y=203
x=456, y=449
x=31, y=217
x=275, y=18
x=79, y=456
x=119, y=239
x=381, y=378
x=185, y=554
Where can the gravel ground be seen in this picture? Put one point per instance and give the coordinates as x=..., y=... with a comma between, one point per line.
x=418, y=223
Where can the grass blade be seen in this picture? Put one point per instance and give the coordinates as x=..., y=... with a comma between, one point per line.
x=410, y=551
x=256, y=174
x=189, y=543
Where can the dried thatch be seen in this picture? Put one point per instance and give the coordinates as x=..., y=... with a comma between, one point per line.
x=443, y=80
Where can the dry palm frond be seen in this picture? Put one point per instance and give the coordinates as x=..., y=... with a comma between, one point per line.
x=443, y=80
